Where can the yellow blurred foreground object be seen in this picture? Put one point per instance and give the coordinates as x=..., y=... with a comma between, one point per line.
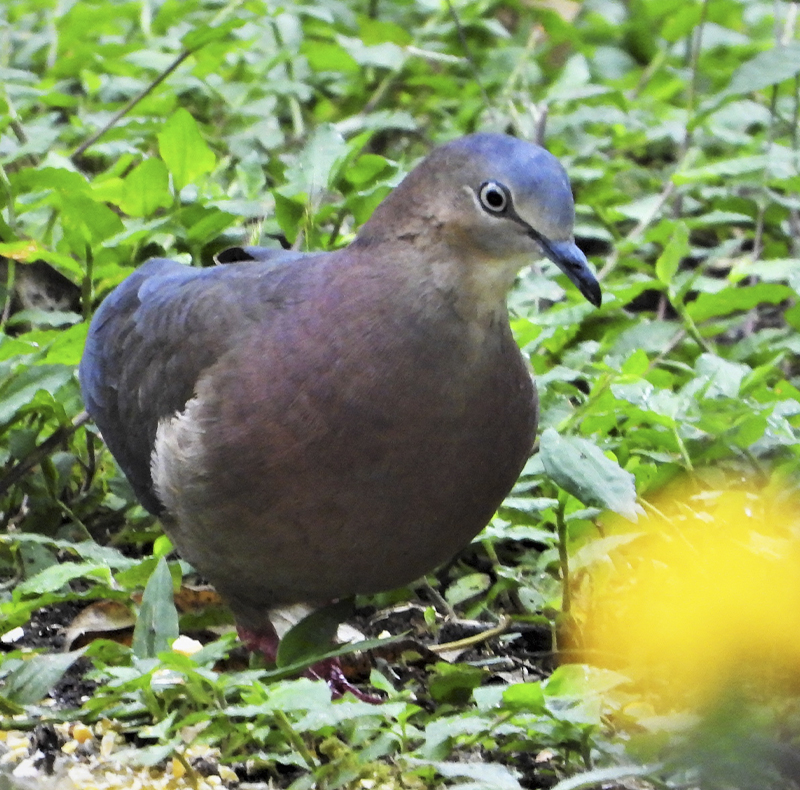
x=704, y=600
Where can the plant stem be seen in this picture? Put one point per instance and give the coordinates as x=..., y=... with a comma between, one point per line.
x=285, y=726
x=563, y=555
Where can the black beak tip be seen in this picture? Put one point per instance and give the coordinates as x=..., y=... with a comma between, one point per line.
x=569, y=258
x=591, y=290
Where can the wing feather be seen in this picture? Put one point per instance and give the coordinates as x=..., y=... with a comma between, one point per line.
x=155, y=334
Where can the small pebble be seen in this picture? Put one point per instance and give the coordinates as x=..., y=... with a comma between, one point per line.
x=178, y=768
x=14, y=635
x=186, y=646
x=107, y=744
x=81, y=733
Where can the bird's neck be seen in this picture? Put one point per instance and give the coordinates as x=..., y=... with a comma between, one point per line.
x=433, y=272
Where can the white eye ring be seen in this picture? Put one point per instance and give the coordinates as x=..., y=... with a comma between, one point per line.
x=494, y=197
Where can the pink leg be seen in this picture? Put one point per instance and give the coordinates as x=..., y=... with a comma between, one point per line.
x=329, y=670
x=264, y=642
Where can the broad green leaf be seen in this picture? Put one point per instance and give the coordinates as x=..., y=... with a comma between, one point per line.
x=146, y=189
x=385, y=55
x=375, y=31
x=483, y=775
x=466, y=587
x=31, y=681
x=716, y=217
x=581, y=469
x=43, y=318
x=723, y=168
x=58, y=179
x=19, y=389
x=524, y=696
x=735, y=299
x=55, y=577
x=580, y=680
x=326, y=56
x=67, y=347
x=365, y=169
x=206, y=34
x=748, y=431
x=605, y=777
x=717, y=377
x=681, y=21
x=87, y=549
x=157, y=621
x=599, y=550
x=87, y=221
x=289, y=212
x=312, y=171
x=454, y=683
x=209, y=225
x=21, y=251
x=771, y=67
x=184, y=150
x=147, y=755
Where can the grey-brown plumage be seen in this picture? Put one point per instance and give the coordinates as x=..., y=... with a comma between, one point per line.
x=312, y=426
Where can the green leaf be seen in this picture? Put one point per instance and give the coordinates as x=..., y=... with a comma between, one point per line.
x=209, y=224
x=289, y=213
x=146, y=189
x=581, y=469
x=65, y=182
x=524, y=696
x=466, y=587
x=87, y=549
x=146, y=756
x=42, y=318
x=31, y=681
x=202, y=35
x=735, y=299
x=67, y=347
x=605, y=777
x=19, y=389
x=599, y=550
x=385, y=55
x=55, y=577
x=582, y=680
x=157, y=621
x=723, y=168
x=374, y=31
x=313, y=636
x=675, y=251
x=312, y=171
x=767, y=68
x=365, y=169
x=184, y=150
x=325, y=56
x=87, y=221
x=484, y=776
x=454, y=683
x=717, y=377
